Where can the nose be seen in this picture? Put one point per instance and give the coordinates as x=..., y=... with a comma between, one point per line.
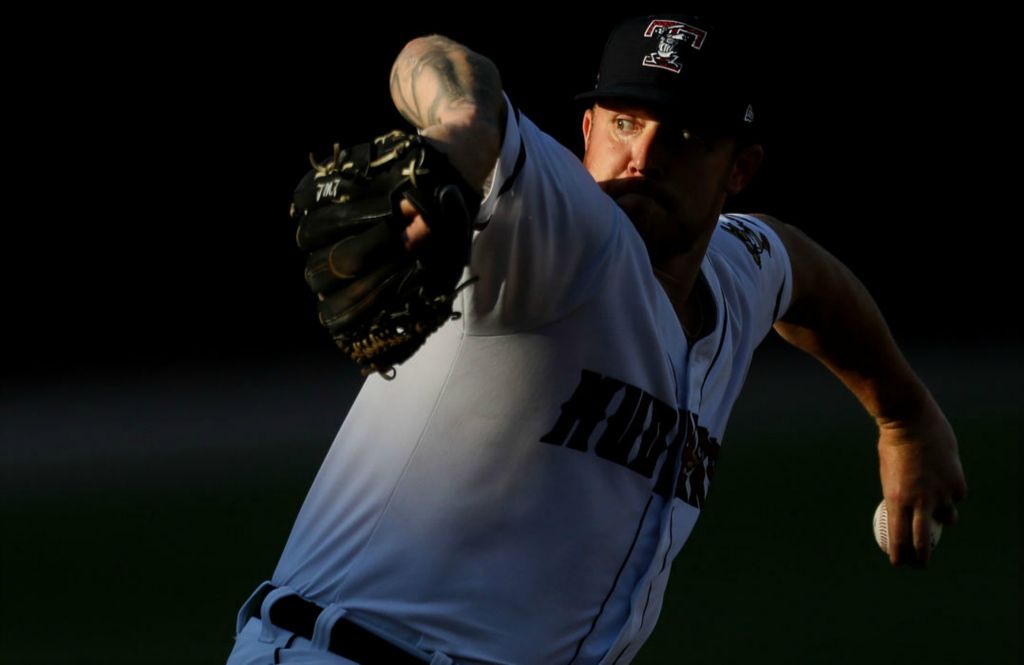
x=646, y=156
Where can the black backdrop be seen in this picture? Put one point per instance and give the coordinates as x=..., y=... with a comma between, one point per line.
x=161, y=159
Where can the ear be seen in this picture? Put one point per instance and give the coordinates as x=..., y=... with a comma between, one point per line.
x=588, y=122
x=744, y=166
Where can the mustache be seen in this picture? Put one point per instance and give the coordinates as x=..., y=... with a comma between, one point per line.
x=639, y=186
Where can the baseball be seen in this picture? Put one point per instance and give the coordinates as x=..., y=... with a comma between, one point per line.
x=881, y=525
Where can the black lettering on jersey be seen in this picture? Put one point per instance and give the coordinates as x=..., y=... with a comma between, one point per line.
x=645, y=423
x=584, y=410
x=755, y=241
x=666, y=478
x=700, y=454
x=624, y=426
x=639, y=423
x=654, y=442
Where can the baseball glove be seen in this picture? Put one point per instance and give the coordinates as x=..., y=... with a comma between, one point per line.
x=378, y=300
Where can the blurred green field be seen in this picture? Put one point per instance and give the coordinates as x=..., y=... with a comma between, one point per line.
x=781, y=568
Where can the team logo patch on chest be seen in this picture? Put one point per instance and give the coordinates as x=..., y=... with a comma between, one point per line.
x=638, y=433
x=756, y=242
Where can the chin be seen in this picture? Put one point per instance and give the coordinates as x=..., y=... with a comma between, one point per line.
x=642, y=210
x=655, y=239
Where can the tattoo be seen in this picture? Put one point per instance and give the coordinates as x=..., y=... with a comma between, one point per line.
x=435, y=75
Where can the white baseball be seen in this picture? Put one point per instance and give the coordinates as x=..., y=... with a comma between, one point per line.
x=881, y=525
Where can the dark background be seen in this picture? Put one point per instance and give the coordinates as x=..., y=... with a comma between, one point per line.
x=163, y=159
x=167, y=394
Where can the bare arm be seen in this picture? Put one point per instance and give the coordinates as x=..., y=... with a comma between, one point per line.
x=453, y=96
x=834, y=318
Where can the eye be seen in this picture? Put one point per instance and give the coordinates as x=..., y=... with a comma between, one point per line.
x=625, y=125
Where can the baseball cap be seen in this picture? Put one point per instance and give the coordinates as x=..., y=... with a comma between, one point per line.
x=680, y=66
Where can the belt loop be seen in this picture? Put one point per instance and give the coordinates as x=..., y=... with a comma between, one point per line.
x=248, y=609
x=325, y=624
x=269, y=629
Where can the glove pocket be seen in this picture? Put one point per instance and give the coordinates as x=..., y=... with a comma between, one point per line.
x=344, y=307
x=326, y=225
x=353, y=257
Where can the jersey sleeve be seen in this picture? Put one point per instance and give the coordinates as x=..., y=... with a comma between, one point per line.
x=754, y=268
x=544, y=235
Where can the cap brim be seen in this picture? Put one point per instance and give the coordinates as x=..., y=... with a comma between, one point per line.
x=642, y=94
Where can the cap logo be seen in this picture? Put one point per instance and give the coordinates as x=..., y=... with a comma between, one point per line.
x=671, y=36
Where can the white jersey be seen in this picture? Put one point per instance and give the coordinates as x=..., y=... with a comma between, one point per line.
x=517, y=493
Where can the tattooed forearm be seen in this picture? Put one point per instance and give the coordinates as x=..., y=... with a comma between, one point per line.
x=453, y=96
x=430, y=84
x=435, y=79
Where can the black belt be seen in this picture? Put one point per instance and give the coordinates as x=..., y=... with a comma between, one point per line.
x=348, y=639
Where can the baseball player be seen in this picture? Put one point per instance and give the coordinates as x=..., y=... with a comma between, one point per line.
x=518, y=491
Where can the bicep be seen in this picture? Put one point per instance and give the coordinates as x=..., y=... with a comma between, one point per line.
x=821, y=286
x=811, y=265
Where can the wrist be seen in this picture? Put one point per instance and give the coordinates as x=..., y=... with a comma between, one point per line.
x=900, y=402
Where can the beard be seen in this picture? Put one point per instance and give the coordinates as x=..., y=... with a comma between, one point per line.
x=658, y=216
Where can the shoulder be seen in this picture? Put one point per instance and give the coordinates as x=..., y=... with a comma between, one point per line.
x=751, y=259
x=747, y=238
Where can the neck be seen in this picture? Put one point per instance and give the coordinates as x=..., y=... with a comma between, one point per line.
x=678, y=276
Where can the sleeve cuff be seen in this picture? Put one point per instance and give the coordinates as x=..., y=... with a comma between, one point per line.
x=504, y=166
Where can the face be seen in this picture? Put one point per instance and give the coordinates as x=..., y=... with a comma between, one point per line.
x=671, y=185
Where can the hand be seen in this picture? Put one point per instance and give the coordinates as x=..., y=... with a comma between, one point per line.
x=921, y=477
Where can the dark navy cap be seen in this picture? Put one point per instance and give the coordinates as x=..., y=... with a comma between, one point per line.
x=680, y=67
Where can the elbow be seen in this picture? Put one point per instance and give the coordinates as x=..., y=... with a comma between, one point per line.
x=439, y=81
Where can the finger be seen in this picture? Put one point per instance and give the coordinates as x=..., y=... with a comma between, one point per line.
x=418, y=230
x=901, y=546
x=415, y=234
x=922, y=526
x=407, y=208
